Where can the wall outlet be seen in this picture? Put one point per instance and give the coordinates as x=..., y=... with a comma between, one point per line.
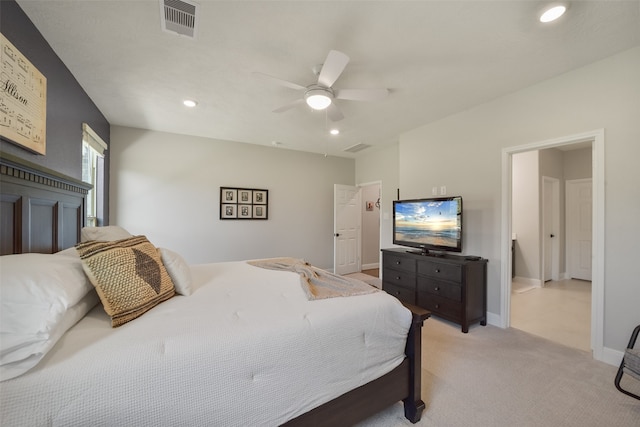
x=434, y=191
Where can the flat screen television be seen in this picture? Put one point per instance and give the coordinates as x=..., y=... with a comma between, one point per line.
x=433, y=224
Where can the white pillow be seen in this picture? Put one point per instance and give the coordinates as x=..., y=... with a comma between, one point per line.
x=178, y=270
x=108, y=233
x=67, y=320
x=35, y=292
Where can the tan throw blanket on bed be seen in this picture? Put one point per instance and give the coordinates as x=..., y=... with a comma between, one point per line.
x=317, y=283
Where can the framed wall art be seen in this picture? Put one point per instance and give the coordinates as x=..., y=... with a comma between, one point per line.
x=244, y=203
x=23, y=97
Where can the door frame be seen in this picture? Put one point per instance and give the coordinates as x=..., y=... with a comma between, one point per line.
x=553, y=184
x=596, y=137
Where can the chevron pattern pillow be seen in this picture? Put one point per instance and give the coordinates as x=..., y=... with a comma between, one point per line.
x=128, y=275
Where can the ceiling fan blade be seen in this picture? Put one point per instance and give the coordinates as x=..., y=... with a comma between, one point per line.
x=361, y=94
x=334, y=112
x=332, y=68
x=281, y=82
x=289, y=106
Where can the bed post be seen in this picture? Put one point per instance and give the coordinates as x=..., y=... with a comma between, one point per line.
x=413, y=404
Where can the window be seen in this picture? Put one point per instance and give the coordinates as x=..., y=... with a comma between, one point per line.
x=93, y=148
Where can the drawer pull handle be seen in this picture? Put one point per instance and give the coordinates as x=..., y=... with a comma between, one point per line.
x=397, y=277
x=397, y=262
x=437, y=305
x=436, y=288
x=437, y=270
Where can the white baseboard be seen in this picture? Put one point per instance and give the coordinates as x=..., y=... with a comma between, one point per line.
x=611, y=356
x=494, y=319
x=528, y=281
x=370, y=266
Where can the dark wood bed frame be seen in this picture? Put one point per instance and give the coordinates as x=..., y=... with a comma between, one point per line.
x=43, y=211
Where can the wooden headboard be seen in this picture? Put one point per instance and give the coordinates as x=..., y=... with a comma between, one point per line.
x=40, y=210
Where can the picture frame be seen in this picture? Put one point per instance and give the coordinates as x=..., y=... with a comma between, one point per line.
x=245, y=196
x=244, y=203
x=228, y=211
x=23, y=116
x=259, y=211
x=228, y=195
x=259, y=197
x=245, y=211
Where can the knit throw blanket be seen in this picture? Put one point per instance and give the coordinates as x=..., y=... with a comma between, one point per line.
x=317, y=283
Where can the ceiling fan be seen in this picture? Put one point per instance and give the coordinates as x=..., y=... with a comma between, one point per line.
x=321, y=95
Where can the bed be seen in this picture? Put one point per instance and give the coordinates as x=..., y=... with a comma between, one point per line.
x=238, y=344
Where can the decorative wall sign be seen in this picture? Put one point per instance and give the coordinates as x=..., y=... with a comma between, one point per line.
x=243, y=203
x=23, y=100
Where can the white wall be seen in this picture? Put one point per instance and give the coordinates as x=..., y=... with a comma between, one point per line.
x=382, y=165
x=577, y=164
x=552, y=165
x=464, y=152
x=525, y=223
x=370, y=227
x=167, y=186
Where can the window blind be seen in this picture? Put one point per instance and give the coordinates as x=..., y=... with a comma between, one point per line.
x=91, y=137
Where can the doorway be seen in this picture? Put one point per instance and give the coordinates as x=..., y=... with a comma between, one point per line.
x=370, y=242
x=596, y=139
x=357, y=228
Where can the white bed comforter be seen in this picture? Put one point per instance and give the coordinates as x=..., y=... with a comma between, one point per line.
x=245, y=349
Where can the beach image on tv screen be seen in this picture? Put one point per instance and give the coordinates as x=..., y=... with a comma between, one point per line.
x=433, y=223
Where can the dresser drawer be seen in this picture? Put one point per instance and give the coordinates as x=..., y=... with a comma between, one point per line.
x=402, y=293
x=440, y=306
x=399, y=262
x=438, y=287
x=400, y=278
x=440, y=270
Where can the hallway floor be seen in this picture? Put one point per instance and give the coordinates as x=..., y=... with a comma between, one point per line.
x=560, y=312
x=373, y=272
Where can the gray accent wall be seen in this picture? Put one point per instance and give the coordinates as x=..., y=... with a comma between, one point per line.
x=68, y=105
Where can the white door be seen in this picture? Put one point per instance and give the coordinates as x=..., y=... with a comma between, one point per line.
x=346, y=224
x=550, y=228
x=579, y=224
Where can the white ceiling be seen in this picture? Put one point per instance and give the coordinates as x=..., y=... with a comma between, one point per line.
x=436, y=57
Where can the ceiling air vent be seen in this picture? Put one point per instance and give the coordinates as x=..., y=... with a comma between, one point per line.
x=356, y=148
x=179, y=17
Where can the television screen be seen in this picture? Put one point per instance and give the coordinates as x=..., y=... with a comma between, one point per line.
x=428, y=224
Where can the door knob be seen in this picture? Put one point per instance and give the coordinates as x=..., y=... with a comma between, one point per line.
x=337, y=234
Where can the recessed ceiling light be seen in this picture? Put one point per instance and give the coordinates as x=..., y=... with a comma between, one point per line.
x=189, y=103
x=334, y=131
x=553, y=12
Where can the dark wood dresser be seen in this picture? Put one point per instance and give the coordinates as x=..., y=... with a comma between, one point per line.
x=453, y=287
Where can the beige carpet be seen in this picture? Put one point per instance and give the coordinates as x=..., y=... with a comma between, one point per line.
x=494, y=377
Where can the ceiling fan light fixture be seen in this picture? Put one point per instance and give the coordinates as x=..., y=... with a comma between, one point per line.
x=318, y=98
